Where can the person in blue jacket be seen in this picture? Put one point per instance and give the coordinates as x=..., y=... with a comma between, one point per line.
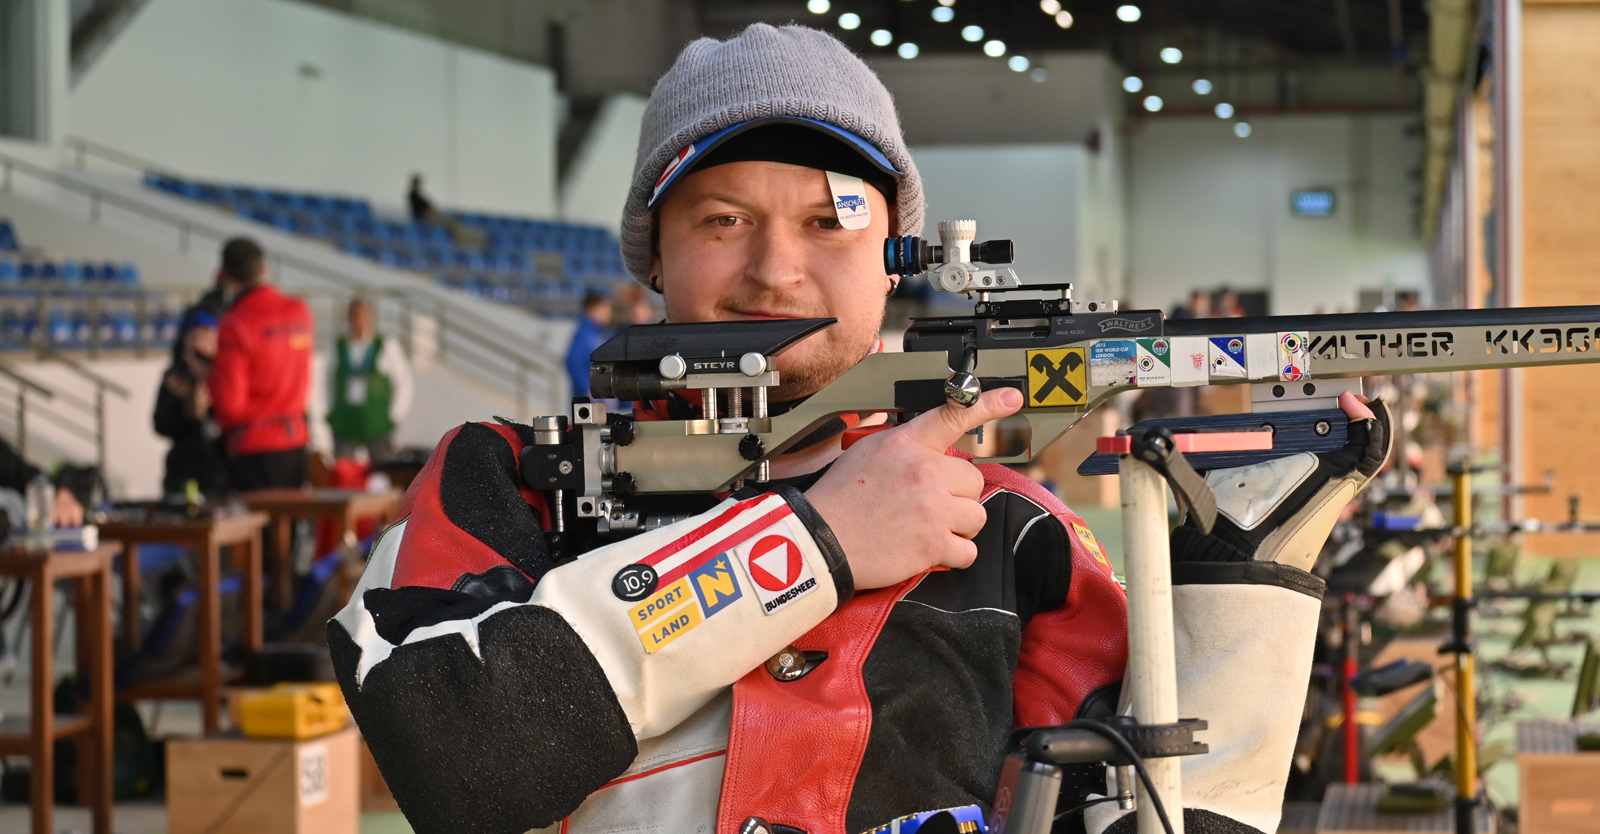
x=594, y=327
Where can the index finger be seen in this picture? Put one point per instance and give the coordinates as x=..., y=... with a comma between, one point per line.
x=940, y=428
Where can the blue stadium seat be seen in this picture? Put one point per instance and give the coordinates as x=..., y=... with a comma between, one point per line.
x=49, y=270
x=128, y=274
x=8, y=237
x=71, y=272
x=8, y=272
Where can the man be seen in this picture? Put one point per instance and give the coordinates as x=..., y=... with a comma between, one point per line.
x=594, y=327
x=261, y=375
x=183, y=413
x=369, y=388
x=936, y=605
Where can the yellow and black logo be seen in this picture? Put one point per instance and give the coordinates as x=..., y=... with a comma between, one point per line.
x=1057, y=377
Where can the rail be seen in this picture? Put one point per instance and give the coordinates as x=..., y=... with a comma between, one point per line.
x=24, y=387
x=460, y=335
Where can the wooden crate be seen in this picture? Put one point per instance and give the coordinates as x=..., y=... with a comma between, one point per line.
x=1560, y=792
x=260, y=786
x=375, y=795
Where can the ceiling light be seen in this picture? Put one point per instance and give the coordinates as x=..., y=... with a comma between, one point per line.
x=908, y=50
x=1223, y=110
x=947, y=2
x=1064, y=19
x=1152, y=103
x=1038, y=74
x=1171, y=55
x=1128, y=14
x=1018, y=63
x=1050, y=7
x=1133, y=83
x=994, y=49
x=1202, y=87
x=972, y=34
x=849, y=20
x=818, y=6
x=944, y=14
x=1241, y=129
x=881, y=37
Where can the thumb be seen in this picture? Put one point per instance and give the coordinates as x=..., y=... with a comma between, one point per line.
x=943, y=426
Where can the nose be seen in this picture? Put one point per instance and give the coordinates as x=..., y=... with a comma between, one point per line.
x=777, y=258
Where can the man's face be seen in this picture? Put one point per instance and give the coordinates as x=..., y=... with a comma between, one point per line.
x=360, y=321
x=761, y=240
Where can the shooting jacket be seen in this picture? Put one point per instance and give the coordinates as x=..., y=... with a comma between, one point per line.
x=502, y=692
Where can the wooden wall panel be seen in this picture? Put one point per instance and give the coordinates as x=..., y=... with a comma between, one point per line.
x=1561, y=256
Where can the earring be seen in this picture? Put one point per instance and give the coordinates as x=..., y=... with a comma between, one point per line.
x=894, y=284
x=655, y=284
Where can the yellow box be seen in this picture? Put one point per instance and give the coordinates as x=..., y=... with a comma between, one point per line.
x=293, y=710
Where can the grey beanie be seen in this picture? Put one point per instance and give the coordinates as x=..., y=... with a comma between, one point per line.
x=764, y=71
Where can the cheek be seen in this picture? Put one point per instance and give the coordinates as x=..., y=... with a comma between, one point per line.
x=695, y=274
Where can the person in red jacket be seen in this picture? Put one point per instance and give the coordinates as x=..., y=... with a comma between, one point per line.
x=262, y=374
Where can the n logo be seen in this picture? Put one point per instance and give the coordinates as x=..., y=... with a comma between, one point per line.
x=715, y=584
x=1057, y=377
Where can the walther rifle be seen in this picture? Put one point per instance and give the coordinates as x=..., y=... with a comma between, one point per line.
x=607, y=476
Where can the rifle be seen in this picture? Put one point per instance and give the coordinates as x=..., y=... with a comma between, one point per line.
x=606, y=473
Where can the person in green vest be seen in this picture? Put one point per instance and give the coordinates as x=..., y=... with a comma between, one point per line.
x=370, y=385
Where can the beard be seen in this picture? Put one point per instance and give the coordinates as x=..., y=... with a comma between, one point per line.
x=813, y=362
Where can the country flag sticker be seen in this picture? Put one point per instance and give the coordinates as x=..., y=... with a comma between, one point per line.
x=778, y=570
x=1293, y=359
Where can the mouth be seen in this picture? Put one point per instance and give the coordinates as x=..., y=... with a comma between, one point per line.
x=763, y=315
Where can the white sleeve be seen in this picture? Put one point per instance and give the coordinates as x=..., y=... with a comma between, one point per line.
x=1244, y=639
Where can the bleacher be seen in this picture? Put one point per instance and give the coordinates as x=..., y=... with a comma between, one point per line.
x=542, y=265
x=73, y=304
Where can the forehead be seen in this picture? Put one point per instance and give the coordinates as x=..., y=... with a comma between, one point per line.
x=757, y=184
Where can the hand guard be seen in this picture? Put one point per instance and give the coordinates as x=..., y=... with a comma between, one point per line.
x=1282, y=510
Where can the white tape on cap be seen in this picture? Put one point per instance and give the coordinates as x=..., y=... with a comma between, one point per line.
x=850, y=200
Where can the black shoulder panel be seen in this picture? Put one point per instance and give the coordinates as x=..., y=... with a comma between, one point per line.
x=510, y=742
x=1195, y=820
x=480, y=490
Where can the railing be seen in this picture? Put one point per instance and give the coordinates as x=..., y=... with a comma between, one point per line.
x=23, y=387
x=462, y=338
x=79, y=417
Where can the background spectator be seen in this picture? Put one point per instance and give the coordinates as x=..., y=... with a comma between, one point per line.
x=261, y=375
x=183, y=412
x=594, y=327
x=370, y=388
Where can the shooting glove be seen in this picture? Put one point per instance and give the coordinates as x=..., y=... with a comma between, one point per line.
x=1245, y=613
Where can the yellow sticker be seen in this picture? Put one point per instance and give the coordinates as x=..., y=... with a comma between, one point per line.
x=1090, y=542
x=1057, y=377
x=669, y=614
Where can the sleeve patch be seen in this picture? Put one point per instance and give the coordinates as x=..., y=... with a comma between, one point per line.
x=779, y=572
x=1090, y=542
x=695, y=597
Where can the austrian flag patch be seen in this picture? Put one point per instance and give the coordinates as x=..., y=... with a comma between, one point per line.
x=777, y=569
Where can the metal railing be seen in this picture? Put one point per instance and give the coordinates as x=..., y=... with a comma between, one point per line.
x=462, y=338
x=82, y=418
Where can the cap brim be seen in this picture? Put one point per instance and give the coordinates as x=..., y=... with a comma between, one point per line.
x=686, y=158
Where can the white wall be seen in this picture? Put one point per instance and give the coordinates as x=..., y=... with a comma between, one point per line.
x=289, y=94
x=1209, y=209
x=597, y=185
x=1059, y=203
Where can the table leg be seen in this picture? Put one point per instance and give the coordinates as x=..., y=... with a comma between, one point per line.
x=210, y=633
x=42, y=758
x=104, y=695
x=282, y=563
x=130, y=595
x=250, y=564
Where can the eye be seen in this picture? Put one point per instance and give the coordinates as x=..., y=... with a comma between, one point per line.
x=828, y=222
x=726, y=220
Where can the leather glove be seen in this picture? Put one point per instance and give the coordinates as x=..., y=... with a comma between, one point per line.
x=1283, y=510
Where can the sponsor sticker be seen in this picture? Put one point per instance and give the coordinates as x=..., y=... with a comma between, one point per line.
x=1293, y=357
x=1191, y=360
x=1155, y=362
x=1112, y=363
x=635, y=582
x=1057, y=377
x=850, y=200
x=779, y=573
x=1090, y=542
x=1226, y=357
x=673, y=611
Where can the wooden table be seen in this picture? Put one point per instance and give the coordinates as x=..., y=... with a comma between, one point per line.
x=90, y=572
x=208, y=536
x=1560, y=786
x=340, y=506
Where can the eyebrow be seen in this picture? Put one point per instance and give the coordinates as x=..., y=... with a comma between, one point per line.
x=819, y=204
